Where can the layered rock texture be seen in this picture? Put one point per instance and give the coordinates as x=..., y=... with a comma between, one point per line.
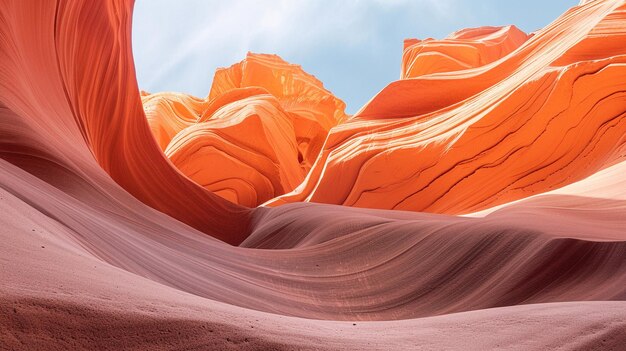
x=452, y=140
x=255, y=136
x=263, y=217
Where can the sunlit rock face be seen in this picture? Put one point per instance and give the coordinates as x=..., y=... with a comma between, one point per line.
x=468, y=48
x=500, y=117
x=262, y=217
x=245, y=152
x=255, y=136
x=483, y=103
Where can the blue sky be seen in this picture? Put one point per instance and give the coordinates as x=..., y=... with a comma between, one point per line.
x=353, y=46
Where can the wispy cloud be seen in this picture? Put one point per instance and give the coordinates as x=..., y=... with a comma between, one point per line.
x=354, y=46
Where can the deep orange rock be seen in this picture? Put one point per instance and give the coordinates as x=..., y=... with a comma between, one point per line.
x=246, y=152
x=549, y=113
x=468, y=48
x=169, y=113
x=71, y=106
x=464, y=112
x=313, y=109
x=255, y=136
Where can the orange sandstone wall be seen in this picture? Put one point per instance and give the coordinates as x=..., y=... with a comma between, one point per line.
x=467, y=48
x=71, y=107
x=255, y=136
x=549, y=113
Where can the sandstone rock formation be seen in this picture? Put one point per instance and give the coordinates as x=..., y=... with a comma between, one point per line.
x=255, y=136
x=129, y=219
x=465, y=49
x=549, y=113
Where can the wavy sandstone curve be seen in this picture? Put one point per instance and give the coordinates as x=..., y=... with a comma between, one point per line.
x=255, y=136
x=539, y=128
x=120, y=208
x=465, y=49
x=85, y=128
x=246, y=153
